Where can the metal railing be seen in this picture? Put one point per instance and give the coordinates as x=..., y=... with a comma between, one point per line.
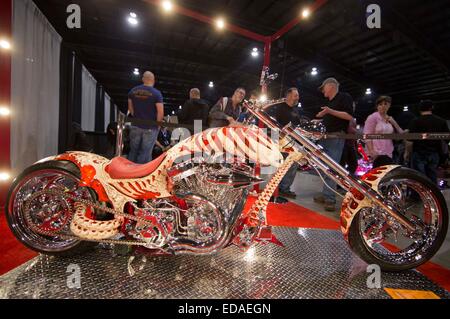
x=123, y=119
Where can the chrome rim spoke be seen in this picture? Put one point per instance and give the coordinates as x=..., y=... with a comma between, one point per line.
x=46, y=212
x=393, y=243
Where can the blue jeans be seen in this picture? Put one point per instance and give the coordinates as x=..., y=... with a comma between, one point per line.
x=288, y=179
x=334, y=148
x=142, y=142
x=427, y=163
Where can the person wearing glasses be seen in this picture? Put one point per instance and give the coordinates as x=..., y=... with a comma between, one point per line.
x=227, y=110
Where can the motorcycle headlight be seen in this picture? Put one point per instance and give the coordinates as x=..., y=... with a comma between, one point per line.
x=312, y=128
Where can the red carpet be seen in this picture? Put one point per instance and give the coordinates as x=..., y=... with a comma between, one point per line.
x=13, y=254
x=293, y=215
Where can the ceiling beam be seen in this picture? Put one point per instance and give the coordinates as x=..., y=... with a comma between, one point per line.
x=322, y=62
x=407, y=29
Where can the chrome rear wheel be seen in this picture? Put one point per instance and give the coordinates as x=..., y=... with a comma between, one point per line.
x=46, y=213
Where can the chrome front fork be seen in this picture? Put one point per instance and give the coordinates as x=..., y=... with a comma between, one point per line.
x=317, y=156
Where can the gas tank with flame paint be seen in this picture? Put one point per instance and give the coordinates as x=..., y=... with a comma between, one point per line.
x=238, y=141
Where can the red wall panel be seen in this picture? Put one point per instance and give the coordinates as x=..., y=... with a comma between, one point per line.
x=5, y=90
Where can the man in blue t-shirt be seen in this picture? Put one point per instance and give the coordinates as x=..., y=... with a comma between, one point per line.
x=146, y=103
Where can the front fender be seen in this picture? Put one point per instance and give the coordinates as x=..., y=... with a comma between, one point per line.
x=354, y=201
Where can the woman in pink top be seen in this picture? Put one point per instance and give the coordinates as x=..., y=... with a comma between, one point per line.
x=381, y=123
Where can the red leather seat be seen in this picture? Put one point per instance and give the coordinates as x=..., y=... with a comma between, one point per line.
x=121, y=168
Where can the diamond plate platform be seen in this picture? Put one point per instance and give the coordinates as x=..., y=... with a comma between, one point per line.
x=314, y=264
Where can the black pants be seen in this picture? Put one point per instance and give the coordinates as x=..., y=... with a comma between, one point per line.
x=350, y=157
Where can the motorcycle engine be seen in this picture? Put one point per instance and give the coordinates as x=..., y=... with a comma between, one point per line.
x=161, y=214
x=220, y=186
x=205, y=197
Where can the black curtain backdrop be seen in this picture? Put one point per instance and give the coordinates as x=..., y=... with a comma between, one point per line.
x=100, y=109
x=71, y=99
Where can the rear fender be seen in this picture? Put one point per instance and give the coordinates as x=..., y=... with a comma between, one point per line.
x=47, y=159
x=90, y=166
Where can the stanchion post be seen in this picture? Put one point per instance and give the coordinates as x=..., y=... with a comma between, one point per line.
x=119, y=135
x=265, y=70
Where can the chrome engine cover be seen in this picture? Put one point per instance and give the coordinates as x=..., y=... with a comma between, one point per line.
x=200, y=218
x=221, y=183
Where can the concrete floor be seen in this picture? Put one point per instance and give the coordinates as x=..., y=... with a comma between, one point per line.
x=307, y=185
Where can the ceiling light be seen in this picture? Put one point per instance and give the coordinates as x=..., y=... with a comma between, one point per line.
x=220, y=23
x=4, y=111
x=263, y=98
x=314, y=71
x=211, y=84
x=406, y=108
x=136, y=71
x=368, y=91
x=4, y=176
x=4, y=44
x=167, y=6
x=133, y=21
x=133, y=15
x=306, y=13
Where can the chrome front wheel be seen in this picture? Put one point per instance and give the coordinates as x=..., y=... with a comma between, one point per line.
x=379, y=239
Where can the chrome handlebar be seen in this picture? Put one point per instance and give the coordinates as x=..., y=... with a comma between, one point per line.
x=314, y=130
x=261, y=106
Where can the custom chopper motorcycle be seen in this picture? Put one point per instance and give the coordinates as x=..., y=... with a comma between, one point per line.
x=190, y=200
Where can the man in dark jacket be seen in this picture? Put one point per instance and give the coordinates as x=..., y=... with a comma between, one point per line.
x=425, y=153
x=194, y=109
x=79, y=141
x=286, y=113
